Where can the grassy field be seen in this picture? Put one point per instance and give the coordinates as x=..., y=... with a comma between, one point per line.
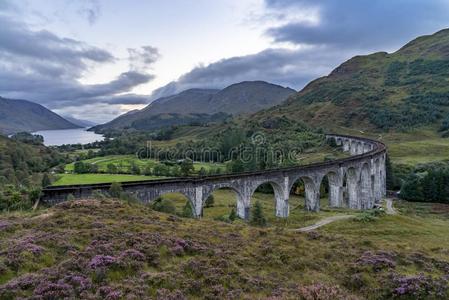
x=123, y=162
x=110, y=249
x=73, y=179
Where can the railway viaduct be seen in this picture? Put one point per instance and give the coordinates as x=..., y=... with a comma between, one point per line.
x=357, y=182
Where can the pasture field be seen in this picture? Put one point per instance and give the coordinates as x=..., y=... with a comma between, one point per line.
x=124, y=162
x=73, y=179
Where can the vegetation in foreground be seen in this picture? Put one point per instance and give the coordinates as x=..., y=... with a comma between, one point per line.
x=110, y=249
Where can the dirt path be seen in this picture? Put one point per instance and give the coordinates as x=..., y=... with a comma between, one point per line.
x=324, y=222
x=390, y=208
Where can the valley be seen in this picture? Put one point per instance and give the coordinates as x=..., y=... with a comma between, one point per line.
x=231, y=190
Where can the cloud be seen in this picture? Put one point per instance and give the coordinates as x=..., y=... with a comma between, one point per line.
x=43, y=67
x=142, y=59
x=45, y=53
x=369, y=25
x=287, y=67
x=90, y=10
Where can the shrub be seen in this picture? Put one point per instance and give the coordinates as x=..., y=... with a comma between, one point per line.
x=187, y=211
x=233, y=215
x=164, y=205
x=115, y=190
x=257, y=217
x=210, y=201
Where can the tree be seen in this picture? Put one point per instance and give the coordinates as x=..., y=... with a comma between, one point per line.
x=46, y=180
x=210, y=201
x=202, y=172
x=187, y=211
x=135, y=169
x=147, y=171
x=232, y=215
x=186, y=167
x=257, y=217
x=164, y=205
x=111, y=168
x=115, y=190
x=79, y=167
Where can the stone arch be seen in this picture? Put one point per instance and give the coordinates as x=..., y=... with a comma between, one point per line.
x=239, y=199
x=346, y=145
x=280, y=197
x=359, y=149
x=366, y=147
x=366, y=192
x=352, y=177
x=311, y=191
x=179, y=202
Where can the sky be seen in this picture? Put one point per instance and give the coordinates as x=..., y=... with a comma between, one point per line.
x=97, y=59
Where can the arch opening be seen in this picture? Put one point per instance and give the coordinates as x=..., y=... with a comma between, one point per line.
x=221, y=205
x=272, y=199
x=174, y=203
x=308, y=191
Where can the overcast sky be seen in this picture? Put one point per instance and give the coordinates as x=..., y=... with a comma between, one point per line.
x=96, y=59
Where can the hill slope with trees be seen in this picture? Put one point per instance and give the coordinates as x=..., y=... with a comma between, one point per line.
x=379, y=92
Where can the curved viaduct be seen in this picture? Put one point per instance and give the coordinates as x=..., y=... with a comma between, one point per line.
x=356, y=182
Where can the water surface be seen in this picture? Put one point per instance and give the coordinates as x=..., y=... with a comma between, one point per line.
x=69, y=136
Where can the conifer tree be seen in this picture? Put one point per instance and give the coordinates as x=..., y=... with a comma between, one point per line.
x=257, y=217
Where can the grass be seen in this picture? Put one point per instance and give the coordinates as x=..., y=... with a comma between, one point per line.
x=124, y=162
x=49, y=252
x=73, y=179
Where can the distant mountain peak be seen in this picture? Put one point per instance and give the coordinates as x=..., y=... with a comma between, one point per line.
x=24, y=115
x=239, y=98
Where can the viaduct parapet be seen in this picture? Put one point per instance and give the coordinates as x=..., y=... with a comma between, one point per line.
x=357, y=182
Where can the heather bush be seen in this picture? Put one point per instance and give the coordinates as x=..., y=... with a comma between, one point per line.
x=377, y=260
x=420, y=287
x=320, y=291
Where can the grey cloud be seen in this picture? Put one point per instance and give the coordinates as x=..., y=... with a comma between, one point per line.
x=293, y=68
x=370, y=25
x=63, y=56
x=143, y=58
x=90, y=10
x=43, y=67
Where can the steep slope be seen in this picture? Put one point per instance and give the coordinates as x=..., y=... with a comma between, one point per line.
x=200, y=105
x=378, y=92
x=22, y=115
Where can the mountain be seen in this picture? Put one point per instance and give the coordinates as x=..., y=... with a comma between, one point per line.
x=378, y=92
x=22, y=115
x=79, y=122
x=194, y=104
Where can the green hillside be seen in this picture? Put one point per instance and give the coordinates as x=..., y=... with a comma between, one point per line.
x=380, y=92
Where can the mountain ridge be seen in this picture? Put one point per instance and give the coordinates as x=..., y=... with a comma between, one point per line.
x=378, y=92
x=240, y=98
x=18, y=115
